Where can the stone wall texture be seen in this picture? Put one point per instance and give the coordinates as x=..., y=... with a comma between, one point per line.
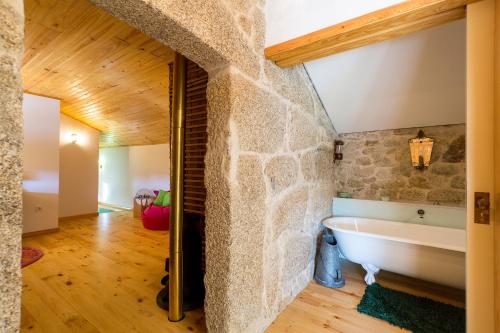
x=269, y=172
x=11, y=142
x=378, y=164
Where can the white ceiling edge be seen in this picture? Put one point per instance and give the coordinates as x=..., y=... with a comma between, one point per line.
x=413, y=81
x=293, y=18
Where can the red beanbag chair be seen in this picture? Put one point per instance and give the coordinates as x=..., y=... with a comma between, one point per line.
x=156, y=217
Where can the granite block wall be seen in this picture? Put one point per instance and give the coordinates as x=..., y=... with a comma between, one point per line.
x=377, y=165
x=268, y=166
x=269, y=172
x=11, y=142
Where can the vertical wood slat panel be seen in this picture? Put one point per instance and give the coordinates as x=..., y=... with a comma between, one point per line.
x=195, y=191
x=196, y=138
x=195, y=146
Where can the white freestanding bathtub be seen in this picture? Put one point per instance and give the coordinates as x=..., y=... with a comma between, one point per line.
x=426, y=252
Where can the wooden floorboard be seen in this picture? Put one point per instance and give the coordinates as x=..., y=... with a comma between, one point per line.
x=102, y=274
x=319, y=310
x=99, y=274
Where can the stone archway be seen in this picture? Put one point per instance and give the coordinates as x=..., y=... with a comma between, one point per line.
x=269, y=164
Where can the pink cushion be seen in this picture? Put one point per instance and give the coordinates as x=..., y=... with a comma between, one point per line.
x=156, y=217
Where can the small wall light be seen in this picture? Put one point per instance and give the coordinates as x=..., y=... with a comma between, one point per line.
x=337, y=156
x=421, y=150
x=74, y=138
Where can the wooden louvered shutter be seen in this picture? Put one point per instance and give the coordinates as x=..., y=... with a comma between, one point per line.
x=195, y=139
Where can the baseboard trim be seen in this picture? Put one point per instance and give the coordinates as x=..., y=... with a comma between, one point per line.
x=114, y=206
x=40, y=232
x=69, y=218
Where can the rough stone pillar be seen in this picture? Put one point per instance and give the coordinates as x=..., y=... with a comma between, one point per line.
x=218, y=220
x=269, y=183
x=11, y=143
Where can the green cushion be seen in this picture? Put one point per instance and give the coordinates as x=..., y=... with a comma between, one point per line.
x=166, y=199
x=159, y=199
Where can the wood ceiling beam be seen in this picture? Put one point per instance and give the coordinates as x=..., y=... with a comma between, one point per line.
x=384, y=24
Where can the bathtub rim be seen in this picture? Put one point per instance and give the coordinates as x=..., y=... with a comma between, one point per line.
x=396, y=239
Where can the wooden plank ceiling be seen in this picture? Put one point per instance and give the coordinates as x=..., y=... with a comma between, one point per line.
x=387, y=23
x=107, y=74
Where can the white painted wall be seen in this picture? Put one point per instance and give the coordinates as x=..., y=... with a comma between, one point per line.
x=78, y=168
x=416, y=80
x=40, y=163
x=293, y=18
x=114, y=181
x=149, y=167
x=125, y=170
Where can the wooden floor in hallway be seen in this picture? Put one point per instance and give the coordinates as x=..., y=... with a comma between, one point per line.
x=102, y=274
x=99, y=274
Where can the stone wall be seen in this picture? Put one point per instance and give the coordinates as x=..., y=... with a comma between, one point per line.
x=280, y=180
x=378, y=164
x=11, y=136
x=269, y=172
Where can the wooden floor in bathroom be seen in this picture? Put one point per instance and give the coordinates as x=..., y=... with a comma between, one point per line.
x=318, y=309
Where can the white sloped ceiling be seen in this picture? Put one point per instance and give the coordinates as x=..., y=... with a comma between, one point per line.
x=412, y=81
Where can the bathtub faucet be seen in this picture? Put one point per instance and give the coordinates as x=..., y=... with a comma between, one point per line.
x=421, y=213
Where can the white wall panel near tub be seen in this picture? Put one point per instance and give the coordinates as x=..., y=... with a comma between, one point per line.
x=441, y=216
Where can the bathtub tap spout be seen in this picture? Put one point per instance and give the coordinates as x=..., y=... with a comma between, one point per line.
x=371, y=270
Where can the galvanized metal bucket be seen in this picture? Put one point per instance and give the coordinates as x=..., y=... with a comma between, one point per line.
x=328, y=266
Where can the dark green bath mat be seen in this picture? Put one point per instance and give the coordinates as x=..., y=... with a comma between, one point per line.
x=417, y=314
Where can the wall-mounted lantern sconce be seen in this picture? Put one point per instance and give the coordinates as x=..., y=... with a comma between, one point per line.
x=421, y=150
x=337, y=149
x=74, y=138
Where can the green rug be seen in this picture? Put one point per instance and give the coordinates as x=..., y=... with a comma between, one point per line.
x=417, y=314
x=105, y=210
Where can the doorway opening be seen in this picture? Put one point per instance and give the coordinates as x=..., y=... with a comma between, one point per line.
x=100, y=90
